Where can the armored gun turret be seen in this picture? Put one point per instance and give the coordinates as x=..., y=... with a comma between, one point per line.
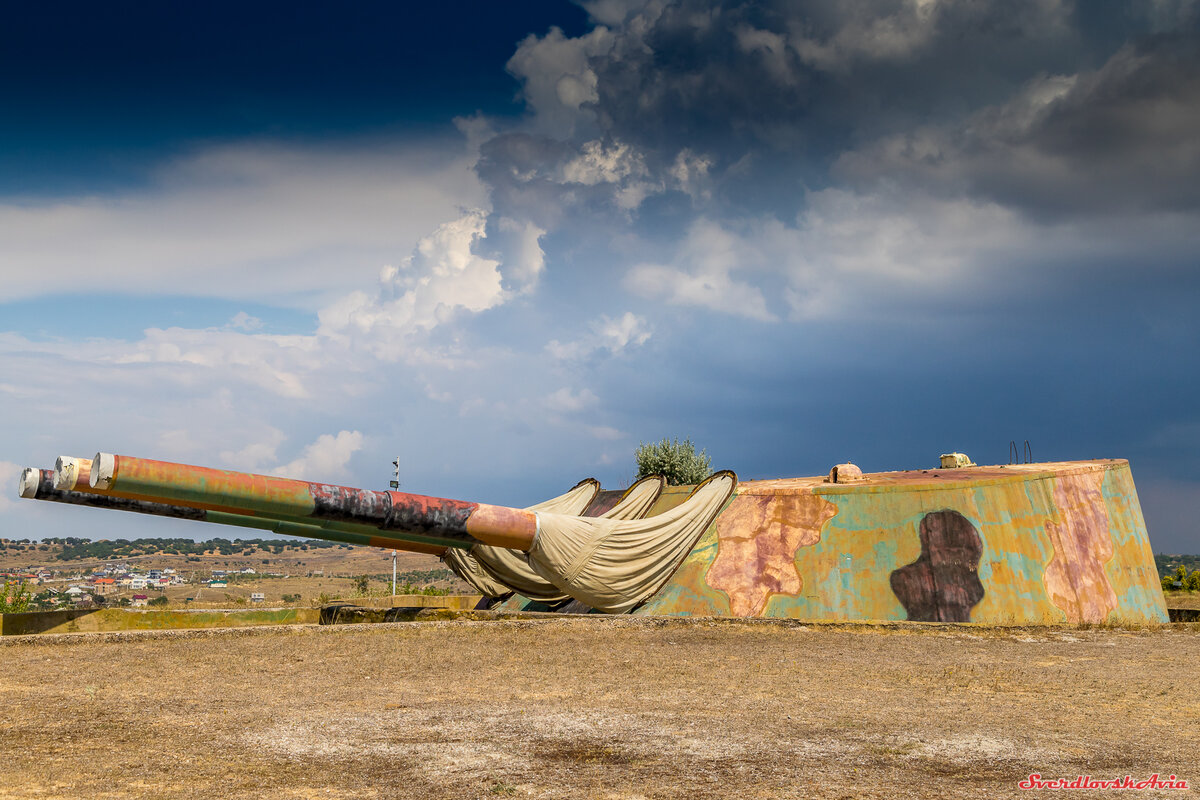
x=1017, y=543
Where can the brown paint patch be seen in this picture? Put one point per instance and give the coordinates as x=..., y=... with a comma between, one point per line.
x=1075, y=577
x=943, y=584
x=757, y=540
x=604, y=501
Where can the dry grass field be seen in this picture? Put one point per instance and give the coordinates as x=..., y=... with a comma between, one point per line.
x=594, y=707
x=1182, y=599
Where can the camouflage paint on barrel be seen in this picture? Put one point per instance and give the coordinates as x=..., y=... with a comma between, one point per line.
x=452, y=523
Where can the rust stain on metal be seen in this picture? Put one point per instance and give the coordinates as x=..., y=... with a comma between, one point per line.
x=758, y=537
x=929, y=479
x=1075, y=576
x=503, y=527
x=421, y=514
x=346, y=504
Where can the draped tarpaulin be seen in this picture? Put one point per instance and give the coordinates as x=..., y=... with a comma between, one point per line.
x=504, y=571
x=614, y=564
x=466, y=566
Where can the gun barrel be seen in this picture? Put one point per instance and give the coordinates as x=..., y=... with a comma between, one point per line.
x=450, y=523
x=72, y=473
x=41, y=485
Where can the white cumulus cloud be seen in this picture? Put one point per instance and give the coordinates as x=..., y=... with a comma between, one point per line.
x=324, y=460
x=241, y=221
x=442, y=278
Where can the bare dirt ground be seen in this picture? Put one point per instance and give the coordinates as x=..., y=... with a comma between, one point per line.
x=594, y=707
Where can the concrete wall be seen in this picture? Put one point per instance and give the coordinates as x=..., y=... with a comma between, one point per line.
x=123, y=619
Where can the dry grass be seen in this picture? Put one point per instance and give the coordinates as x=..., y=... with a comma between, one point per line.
x=586, y=707
x=1182, y=599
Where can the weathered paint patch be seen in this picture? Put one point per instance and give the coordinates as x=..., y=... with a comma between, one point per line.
x=1131, y=570
x=602, y=502
x=757, y=540
x=46, y=491
x=846, y=572
x=942, y=585
x=687, y=594
x=212, y=489
x=1011, y=519
x=1075, y=576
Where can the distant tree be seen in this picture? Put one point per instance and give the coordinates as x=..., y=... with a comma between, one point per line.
x=361, y=584
x=1168, y=583
x=677, y=461
x=159, y=601
x=1192, y=584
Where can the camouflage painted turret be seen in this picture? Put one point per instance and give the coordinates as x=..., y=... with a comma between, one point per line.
x=1026, y=544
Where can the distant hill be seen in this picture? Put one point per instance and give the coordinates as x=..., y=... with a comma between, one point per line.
x=74, y=549
x=1167, y=563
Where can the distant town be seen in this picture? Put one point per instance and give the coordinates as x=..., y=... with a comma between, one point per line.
x=78, y=573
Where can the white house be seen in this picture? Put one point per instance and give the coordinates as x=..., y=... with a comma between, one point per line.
x=257, y=597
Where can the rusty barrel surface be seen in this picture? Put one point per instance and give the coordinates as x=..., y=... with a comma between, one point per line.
x=453, y=523
x=41, y=485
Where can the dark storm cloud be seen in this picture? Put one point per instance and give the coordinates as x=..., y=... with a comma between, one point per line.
x=927, y=225
x=1125, y=137
x=1034, y=103
x=800, y=77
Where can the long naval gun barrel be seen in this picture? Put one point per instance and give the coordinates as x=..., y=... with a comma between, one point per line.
x=431, y=520
x=42, y=484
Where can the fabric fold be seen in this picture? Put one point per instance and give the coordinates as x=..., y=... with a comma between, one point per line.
x=614, y=564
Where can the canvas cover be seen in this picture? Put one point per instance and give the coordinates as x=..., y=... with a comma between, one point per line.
x=502, y=571
x=465, y=564
x=614, y=564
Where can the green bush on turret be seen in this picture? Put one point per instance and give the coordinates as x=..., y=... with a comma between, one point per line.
x=677, y=461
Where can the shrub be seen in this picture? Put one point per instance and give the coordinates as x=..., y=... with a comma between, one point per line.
x=159, y=601
x=1192, y=582
x=677, y=461
x=14, y=597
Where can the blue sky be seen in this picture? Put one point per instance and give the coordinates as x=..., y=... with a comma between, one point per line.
x=508, y=242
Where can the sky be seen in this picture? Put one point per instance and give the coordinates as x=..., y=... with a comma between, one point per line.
x=507, y=243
